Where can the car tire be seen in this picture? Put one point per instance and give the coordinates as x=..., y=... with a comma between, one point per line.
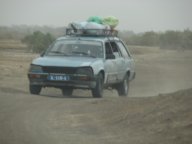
x=123, y=87
x=97, y=92
x=67, y=91
x=35, y=89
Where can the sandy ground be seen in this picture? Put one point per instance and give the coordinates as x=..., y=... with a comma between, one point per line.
x=147, y=116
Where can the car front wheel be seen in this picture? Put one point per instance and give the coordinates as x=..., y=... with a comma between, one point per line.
x=67, y=91
x=35, y=89
x=97, y=92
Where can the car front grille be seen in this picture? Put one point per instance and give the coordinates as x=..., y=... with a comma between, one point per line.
x=65, y=70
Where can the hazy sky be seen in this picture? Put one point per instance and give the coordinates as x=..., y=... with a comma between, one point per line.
x=136, y=15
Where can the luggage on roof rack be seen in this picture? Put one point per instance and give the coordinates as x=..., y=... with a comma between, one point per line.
x=91, y=32
x=89, y=29
x=111, y=21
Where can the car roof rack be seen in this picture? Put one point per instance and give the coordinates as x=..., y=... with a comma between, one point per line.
x=92, y=32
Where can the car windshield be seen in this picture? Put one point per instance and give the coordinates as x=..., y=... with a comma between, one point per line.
x=76, y=48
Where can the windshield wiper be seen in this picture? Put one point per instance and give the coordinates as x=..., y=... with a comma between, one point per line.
x=83, y=53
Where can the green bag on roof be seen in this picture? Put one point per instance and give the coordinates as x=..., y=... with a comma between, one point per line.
x=95, y=19
x=111, y=21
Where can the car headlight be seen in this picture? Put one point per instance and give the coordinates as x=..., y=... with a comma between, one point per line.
x=35, y=68
x=85, y=71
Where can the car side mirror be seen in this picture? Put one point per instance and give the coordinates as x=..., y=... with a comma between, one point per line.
x=110, y=56
x=42, y=54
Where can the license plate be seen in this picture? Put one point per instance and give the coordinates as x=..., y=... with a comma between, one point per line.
x=58, y=78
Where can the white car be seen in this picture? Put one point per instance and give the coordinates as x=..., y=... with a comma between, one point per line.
x=83, y=61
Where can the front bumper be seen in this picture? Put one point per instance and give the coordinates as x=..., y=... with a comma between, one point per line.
x=76, y=81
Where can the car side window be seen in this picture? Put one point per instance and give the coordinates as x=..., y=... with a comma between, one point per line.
x=123, y=50
x=108, y=49
x=112, y=48
x=115, y=49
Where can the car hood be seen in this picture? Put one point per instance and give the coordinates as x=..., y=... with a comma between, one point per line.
x=64, y=61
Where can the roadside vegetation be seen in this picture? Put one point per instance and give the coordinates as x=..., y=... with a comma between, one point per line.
x=166, y=40
x=38, y=41
x=38, y=38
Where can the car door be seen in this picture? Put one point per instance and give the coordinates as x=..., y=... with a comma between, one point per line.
x=128, y=61
x=119, y=61
x=110, y=64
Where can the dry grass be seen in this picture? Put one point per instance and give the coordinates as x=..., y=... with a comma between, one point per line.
x=140, y=50
x=13, y=44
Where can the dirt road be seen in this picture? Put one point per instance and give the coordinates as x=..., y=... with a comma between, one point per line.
x=51, y=118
